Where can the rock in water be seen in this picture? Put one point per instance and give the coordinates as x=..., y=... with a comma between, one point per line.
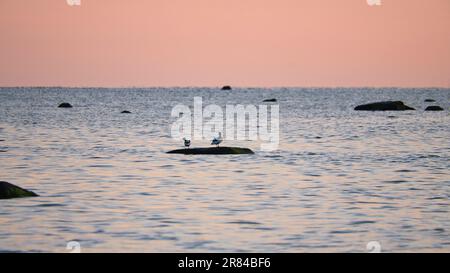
x=125, y=112
x=384, y=106
x=270, y=100
x=434, y=108
x=8, y=191
x=213, y=151
x=65, y=105
x=429, y=100
x=226, y=87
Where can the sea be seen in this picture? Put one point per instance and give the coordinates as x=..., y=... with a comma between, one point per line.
x=339, y=181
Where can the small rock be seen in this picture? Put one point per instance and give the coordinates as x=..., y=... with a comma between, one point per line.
x=226, y=87
x=434, y=108
x=125, y=112
x=213, y=151
x=430, y=100
x=65, y=105
x=384, y=106
x=8, y=191
x=270, y=100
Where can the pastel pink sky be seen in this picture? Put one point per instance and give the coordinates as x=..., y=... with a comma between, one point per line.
x=217, y=42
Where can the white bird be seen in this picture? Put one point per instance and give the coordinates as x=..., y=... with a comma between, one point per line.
x=187, y=142
x=217, y=140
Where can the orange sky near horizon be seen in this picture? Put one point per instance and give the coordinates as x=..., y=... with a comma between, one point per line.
x=121, y=43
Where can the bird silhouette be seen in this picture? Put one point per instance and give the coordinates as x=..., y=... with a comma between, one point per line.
x=217, y=140
x=187, y=143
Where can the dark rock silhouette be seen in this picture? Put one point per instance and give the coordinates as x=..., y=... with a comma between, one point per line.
x=270, y=100
x=65, y=105
x=213, y=151
x=434, y=108
x=125, y=112
x=384, y=106
x=8, y=191
x=429, y=100
x=226, y=87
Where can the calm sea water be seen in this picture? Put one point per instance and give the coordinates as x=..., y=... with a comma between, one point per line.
x=339, y=180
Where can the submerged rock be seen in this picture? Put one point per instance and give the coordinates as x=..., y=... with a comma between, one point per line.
x=226, y=87
x=125, y=112
x=384, y=106
x=213, y=151
x=270, y=100
x=434, y=108
x=8, y=191
x=65, y=105
x=430, y=100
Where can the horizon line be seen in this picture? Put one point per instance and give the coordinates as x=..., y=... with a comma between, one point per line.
x=220, y=86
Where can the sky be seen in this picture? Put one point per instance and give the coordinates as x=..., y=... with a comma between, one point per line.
x=260, y=43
